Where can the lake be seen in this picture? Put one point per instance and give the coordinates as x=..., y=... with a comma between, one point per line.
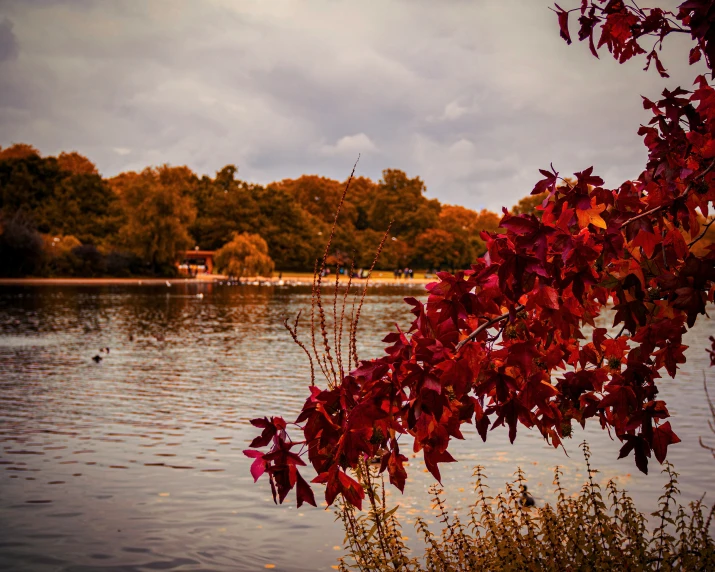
x=135, y=462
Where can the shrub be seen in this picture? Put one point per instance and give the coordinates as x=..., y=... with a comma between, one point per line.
x=21, y=249
x=245, y=255
x=597, y=529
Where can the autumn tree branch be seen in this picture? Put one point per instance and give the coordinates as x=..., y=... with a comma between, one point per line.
x=484, y=326
x=707, y=226
x=661, y=207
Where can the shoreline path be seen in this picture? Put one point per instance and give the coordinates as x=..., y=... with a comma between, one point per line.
x=288, y=279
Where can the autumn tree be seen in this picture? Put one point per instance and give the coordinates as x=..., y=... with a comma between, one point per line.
x=18, y=151
x=158, y=212
x=528, y=205
x=401, y=199
x=225, y=205
x=468, y=225
x=503, y=343
x=437, y=248
x=21, y=248
x=319, y=196
x=76, y=164
x=294, y=236
x=245, y=255
x=57, y=200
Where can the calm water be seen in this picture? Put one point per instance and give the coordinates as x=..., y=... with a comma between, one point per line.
x=135, y=463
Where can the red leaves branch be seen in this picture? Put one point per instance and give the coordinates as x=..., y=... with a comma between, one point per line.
x=502, y=343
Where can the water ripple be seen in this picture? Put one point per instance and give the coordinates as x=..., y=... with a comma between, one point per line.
x=134, y=462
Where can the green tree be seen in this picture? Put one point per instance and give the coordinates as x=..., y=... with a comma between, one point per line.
x=245, y=255
x=158, y=212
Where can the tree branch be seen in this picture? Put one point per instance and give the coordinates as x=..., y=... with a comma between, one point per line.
x=661, y=207
x=484, y=326
x=707, y=226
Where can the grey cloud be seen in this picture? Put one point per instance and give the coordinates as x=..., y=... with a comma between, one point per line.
x=8, y=41
x=472, y=97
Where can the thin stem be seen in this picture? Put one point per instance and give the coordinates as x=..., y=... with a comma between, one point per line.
x=484, y=326
x=707, y=226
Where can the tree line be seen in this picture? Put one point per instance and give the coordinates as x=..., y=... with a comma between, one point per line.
x=60, y=217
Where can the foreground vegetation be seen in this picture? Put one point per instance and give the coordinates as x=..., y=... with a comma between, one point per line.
x=595, y=529
x=502, y=344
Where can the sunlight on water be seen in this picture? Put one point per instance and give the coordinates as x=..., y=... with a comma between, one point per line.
x=134, y=461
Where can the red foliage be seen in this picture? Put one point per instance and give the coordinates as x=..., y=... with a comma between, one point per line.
x=491, y=344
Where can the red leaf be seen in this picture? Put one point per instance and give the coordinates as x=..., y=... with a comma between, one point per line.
x=547, y=297
x=637, y=444
x=662, y=437
x=351, y=489
x=563, y=16
x=396, y=470
x=258, y=467
x=549, y=183
x=695, y=54
x=303, y=492
x=647, y=241
x=433, y=457
x=599, y=335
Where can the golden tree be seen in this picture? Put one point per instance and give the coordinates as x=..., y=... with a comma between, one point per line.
x=245, y=255
x=158, y=213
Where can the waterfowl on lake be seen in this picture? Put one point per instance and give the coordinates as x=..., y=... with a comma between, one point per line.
x=97, y=358
x=526, y=498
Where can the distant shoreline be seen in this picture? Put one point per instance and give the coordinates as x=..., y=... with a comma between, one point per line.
x=288, y=279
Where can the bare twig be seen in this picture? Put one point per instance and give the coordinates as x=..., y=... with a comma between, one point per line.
x=711, y=423
x=294, y=334
x=335, y=318
x=364, y=291
x=342, y=321
x=313, y=305
x=328, y=357
x=484, y=326
x=707, y=226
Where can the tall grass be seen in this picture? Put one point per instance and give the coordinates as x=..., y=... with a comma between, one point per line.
x=599, y=528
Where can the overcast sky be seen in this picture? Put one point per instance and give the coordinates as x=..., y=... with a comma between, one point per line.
x=471, y=96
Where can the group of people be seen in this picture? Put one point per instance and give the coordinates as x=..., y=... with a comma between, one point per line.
x=359, y=273
x=408, y=273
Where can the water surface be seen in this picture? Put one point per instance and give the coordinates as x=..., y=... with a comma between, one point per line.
x=135, y=462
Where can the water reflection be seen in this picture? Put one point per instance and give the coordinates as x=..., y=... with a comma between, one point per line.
x=135, y=463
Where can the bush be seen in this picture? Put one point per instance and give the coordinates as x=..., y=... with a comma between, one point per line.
x=582, y=532
x=21, y=248
x=123, y=264
x=245, y=255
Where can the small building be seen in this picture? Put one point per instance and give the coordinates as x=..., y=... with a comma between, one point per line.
x=194, y=262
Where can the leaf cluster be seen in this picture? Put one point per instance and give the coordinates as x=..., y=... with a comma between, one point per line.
x=502, y=344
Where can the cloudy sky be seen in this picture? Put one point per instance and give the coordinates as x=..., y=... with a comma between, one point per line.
x=472, y=96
